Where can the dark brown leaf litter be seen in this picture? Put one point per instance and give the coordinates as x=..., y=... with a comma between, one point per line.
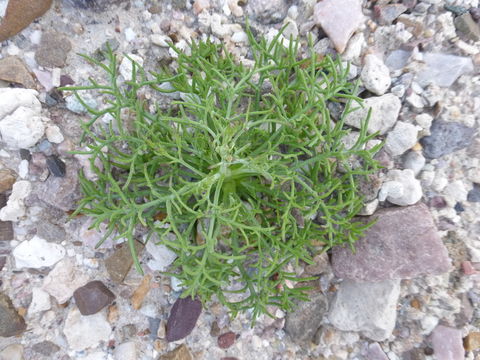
x=183, y=318
x=92, y=297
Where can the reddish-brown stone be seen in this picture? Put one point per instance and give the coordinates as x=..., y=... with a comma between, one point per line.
x=183, y=318
x=226, y=340
x=92, y=297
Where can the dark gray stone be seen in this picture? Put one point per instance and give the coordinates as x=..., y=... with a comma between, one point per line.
x=303, y=323
x=11, y=324
x=446, y=138
x=183, y=318
x=93, y=297
x=56, y=166
x=403, y=243
x=46, y=348
x=474, y=194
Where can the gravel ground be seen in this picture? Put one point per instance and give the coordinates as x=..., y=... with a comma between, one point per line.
x=410, y=292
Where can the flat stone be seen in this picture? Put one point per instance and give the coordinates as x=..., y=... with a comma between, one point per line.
x=162, y=255
x=14, y=70
x=467, y=27
x=446, y=138
x=53, y=50
x=226, y=340
x=11, y=323
x=37, y=253
x=180, y=353
x=7, y=179
x=183, y=318
x=402, y=244
x=268, y=11
x=83, y=332
x=375, y=352
x=56, y=166
x=387, y=14
x=443, y=69
x=141, y=291
x=397, y=59
x=12, y=352
x=339, y=19
x=40, y=301
x=46, y=348
x=50, y=232
x=385, y=110
x=368, y=307
x=119, y=263
x=92, y=297
x=304, y=321
x=447, y=343
x=19, y=14
x=63, y=280
x=472, y=341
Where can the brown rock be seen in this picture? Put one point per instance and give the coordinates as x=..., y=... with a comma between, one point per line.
x=11, y=323
x=226, y=340
x=403, y=243
x=467, y=26
x=53, y=50
x=120, y=262
x=472, y=341
x=20, y=14
x=141, y=291
x=92, y=297
x=7, y=179
x=183, y=318
x=6, y=227
x=14, y=70
x=112, y=316
x=180, y=353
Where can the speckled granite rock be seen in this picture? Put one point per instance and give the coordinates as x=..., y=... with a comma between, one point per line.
x=403, y=243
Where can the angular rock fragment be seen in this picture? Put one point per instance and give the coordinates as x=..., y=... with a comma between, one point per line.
x=339, y=19
x=92, y=297
x=443, y=69
x=56, y=166
x=303, y=323
x=180, y=353
x=11, y=323
x=375, y=352
x=120, y=262
x=447, y=343
x=386, y=14
x=446, y=138
x=7, y=179
x=23, y=128
x=183, y=318
x=141, y=291
x=403, y=243
x=368, y=307
x=268, y=11
x=14, y=70
x=53, y=50
x=37, y=253
x=46, y=348
x=375, y=75
x=15, y=207
x=467, y=27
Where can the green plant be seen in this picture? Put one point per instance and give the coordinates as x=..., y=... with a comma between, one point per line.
x=248, y=171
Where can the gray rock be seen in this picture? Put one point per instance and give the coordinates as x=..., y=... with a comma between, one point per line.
x=398, y=59
x=385, y=110
x=92, y=297
x=446, y=138
x=11, y=323
x=53, y=50
x=339, y=19
x=403, y=243
x=401, y=138
x=268, y=11
x=61, y=192
x=375, y=352
x=50, y=232
x=467, y=27
x=414, y=161
x=303, y=323
x=447, y=343
x=443, y=69
x=183, y=318
x=46, y=348
x=368, y=307
x=474, y=194
x=375, y=75
x=386, y=14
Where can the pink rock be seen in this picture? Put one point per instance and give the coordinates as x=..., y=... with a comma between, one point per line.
x=447, y=343
x=402, y=244
x=375, y=352
x=200, y=5
x=339, y=19
x=468, y=268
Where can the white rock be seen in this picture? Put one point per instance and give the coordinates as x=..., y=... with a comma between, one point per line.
x=375, y=75
x=54, y=134
x=457, y=191
x=12, y=352
x=97, y=355
x=369, y=208
x=130, y=35
x=367, y=307
x=63, y=280
x=22, y=129
x=23, y=169
x=401, y=138
x=126, y=66
x=425, y=122
x=37, y=253
x=415, y=161
x=15, y=207
x=13, y=98
x=83, y=332
x=390, y=188
x=240, y=37
x=160, y=40
x=40, y=301
x=385, y=110
x=162, y=256
x=126, y=351
x=412, y=189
